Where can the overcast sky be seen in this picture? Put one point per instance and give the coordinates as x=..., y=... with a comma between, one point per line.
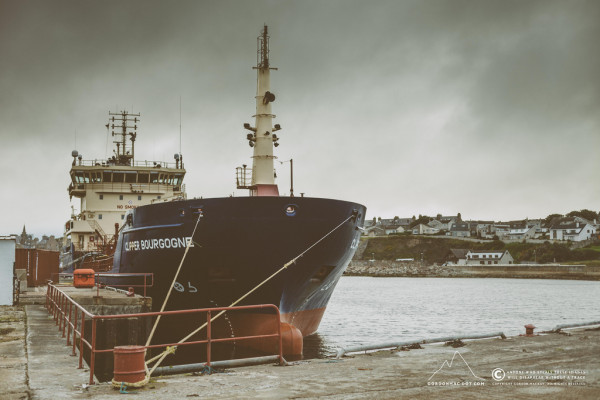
x=487, y=108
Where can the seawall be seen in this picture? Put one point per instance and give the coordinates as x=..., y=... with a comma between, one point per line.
x=383, y=268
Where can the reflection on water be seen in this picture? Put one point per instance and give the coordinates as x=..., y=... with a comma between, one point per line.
x=365, y=310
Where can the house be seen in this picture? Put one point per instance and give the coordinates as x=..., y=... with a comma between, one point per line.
x=457, y=256
x=521, y=232
x=434, y=223
x=484, y=229
x=444, y=223
x=460, y=229
x=374, y=230
x=501, y=229
x=573, y=229
x=404, y=222
x=488, y=257
x=422, y=229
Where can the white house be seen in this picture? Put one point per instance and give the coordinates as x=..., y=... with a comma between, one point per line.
x=572, y=229
x=422, y=229
x=489, y=257
x=522, y=232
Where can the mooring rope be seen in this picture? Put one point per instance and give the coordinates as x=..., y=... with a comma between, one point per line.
x=187, y=248
x=164, y=354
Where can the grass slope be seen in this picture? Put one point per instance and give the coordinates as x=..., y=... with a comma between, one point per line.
x=436, y=250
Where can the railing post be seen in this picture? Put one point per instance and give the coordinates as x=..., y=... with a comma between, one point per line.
x=61, y=321
x=69, y=328
x=278, y=316
x=54, y=308
x=208, y=337
x=93, y=351
x=47, y=292
x=81, y=337
x=64, y=325
x=75, y=331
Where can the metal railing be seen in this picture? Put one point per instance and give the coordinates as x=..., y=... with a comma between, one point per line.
x=71, y=317
x=148, y=280
x=144, y=163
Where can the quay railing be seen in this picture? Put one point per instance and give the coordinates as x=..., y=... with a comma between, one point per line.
x=71, y=317
x=148, y=280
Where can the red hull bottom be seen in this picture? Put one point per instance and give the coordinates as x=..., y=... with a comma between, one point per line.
x=294, y=326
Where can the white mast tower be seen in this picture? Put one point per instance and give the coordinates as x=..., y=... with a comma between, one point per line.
x=262, y=138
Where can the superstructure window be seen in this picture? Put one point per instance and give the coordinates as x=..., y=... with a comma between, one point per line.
x=120, y=197
x=122, y=216
x=143, y=177
x=139, y=197
x=101, y=197
x=118, y=177
x=130, y=177
x=99, y=216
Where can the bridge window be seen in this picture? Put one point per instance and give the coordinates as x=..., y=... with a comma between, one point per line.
x=107, y=176
x=130, y=177
x=154, y=177
x=143, y=177
x=118, y=177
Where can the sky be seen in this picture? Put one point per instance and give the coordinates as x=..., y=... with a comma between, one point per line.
x=487, y=108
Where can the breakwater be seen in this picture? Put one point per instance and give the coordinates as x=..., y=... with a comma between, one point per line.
x=386, y=268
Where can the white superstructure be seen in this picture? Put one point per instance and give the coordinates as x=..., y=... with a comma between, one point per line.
x=109, y=188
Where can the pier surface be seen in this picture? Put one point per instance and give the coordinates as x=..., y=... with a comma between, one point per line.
x=35, y=363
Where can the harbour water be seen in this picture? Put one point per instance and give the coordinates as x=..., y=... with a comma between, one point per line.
x=366, y=310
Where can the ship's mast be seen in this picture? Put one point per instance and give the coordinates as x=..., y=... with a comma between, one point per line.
x=123, y=156
x=262, y=138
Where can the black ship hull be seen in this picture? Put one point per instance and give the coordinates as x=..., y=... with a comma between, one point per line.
x=238, y=243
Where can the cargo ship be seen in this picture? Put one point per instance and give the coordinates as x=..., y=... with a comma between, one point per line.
x=288, y=251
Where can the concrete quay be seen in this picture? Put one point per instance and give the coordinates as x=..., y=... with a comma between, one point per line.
x=35, y=363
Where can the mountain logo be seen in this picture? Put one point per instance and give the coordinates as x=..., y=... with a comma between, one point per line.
x=449, y=365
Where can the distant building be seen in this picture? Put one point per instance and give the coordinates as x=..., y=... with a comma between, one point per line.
x=488, y=257
x=521, y=233
x=374, y=230
x=457, y=256
x=460, y=229
x=573, y=229
x=422, y=229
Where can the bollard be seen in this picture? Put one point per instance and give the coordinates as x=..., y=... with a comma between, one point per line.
x=529, y=330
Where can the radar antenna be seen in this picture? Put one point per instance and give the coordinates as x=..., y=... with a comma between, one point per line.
x=123, y=155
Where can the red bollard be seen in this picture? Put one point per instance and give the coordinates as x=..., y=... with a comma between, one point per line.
x=529, y=330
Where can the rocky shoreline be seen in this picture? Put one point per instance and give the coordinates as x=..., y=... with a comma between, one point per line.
x=385, y=268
